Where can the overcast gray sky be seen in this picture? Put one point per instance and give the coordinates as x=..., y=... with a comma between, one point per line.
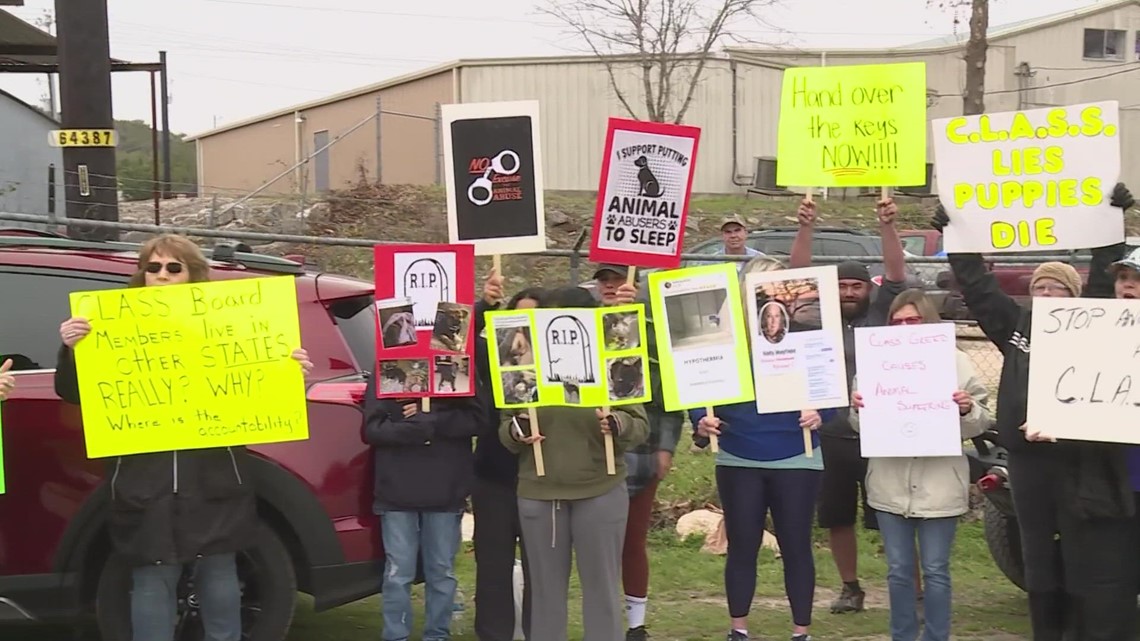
x=231, y=59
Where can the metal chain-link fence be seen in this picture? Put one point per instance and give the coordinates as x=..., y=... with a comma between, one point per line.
x=353, y=256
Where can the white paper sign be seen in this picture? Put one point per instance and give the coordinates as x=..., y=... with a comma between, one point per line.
x=1038, y=180
x=797, y=339
x=570, y=346
x=1084, y=379
x=908, y=375
x=702, y=345
x=428, y=279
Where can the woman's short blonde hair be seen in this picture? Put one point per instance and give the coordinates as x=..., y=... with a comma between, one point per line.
x=921, y=302
x=178, y=247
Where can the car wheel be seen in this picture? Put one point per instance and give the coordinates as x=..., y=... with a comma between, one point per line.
x=268, y=584
x=1004, y=542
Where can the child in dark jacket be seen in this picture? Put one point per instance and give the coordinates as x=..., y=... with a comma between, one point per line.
x=424, y=467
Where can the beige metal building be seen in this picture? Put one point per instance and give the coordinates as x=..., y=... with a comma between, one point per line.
x=1081, y=56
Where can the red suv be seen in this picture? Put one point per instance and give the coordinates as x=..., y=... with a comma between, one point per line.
x=318, y=533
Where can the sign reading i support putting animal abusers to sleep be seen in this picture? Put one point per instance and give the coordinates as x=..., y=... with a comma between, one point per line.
x=643, y=197
x=493, y=171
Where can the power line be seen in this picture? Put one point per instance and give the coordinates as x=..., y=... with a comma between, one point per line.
x=281, y=5
x=1051, y=86
x=373, y=12
x=1112, y=66
x=201, y=42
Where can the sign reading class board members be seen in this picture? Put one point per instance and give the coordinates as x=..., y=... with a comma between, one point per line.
x=1030, y=180
x=703, y=347
x=589, y=357
x=797, y=339
x=424, y=314
x=853, y=126
x=908, y=375
x=1083, y=382
x=493, y=171
x=184, y=367
x=643, y=197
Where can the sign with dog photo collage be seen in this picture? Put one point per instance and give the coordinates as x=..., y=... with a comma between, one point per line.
x=588, y=357
x=425, y=297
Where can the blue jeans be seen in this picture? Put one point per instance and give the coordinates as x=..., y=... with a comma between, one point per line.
x=406, y=537
x=154, y=599
x=935, y=540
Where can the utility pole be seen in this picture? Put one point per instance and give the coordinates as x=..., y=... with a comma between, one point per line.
x=165, y=93
x=91, y=188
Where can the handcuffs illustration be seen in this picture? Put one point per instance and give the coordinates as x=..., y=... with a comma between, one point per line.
x=484, y=183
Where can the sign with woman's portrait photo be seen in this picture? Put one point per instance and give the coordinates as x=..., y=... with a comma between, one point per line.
x=701, y=337
x=493, y=172
x=588, y=357
x=796, y=332
x=425, y=297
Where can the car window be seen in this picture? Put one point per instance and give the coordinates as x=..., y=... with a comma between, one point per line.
x=31, y=324
x=356, y=319
x=772, y=245
x=843, y=247
x=707, y=248
x=914, y=244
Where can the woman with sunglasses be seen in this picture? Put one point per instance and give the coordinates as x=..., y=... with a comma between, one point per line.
x=923, y=497
x=170, y=509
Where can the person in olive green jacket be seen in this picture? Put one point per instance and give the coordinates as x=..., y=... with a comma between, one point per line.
x=576, y=509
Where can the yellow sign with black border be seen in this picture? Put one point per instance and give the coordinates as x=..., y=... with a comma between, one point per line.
x=83, y=138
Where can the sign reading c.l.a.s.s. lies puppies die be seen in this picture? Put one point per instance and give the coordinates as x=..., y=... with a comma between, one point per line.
x=493, y=171
x=424, y=315
x=643, y=196
x=1037, y=180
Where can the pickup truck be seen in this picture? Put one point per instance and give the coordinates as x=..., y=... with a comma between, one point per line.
x=1012, y=271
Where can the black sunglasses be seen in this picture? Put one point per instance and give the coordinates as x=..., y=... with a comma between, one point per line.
x=171, y=268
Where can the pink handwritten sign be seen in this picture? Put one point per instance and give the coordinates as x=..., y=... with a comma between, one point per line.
x=907, y=376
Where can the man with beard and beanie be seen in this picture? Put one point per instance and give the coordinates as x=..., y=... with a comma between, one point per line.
x=1073, y=501
x=845, y=470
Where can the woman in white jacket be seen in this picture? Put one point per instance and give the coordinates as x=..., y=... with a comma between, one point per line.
x=923, y=497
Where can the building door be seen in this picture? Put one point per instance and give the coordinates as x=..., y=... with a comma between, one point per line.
x=321, y=161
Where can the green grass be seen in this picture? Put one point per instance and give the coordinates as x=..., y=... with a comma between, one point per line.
x=686, y=593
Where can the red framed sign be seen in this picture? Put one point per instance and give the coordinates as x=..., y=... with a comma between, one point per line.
x=643, y=196
x=425, y=302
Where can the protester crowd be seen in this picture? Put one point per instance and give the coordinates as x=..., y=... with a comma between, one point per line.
x=1075, y=501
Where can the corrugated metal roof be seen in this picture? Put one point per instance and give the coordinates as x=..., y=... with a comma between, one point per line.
x=1024, y=26
x=18, y=38
x=431, y=71
x=948, y=43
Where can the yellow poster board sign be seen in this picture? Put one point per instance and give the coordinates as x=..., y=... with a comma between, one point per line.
x=183, y=367
x=702, y=338
x=853, y=126
x=587, y=357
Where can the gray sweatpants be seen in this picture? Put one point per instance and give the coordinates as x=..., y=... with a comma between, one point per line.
x=593, y=530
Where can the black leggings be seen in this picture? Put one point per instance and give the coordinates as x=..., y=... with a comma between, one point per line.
x=746, y=495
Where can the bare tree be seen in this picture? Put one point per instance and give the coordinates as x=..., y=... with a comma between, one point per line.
x=974, y=96
x=668, y=41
